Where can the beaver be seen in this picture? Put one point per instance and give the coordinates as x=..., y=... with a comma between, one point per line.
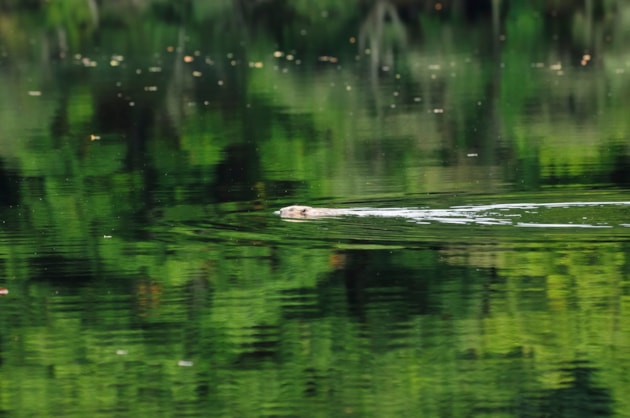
x=495, y=214
x=299, y=212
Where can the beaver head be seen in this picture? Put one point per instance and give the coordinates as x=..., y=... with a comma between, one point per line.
x=295, y=212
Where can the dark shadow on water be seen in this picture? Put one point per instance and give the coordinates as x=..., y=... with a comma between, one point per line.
x=580, y=398
x=9, y=192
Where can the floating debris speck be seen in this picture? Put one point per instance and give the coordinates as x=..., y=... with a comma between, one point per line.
x=88, y=62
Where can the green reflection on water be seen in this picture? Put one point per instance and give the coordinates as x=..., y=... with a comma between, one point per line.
x=146, y=274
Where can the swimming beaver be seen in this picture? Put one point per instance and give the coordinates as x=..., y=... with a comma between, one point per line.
x=297, y=212
x=495, y=214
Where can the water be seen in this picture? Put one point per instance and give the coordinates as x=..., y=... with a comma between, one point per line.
x=483, y=270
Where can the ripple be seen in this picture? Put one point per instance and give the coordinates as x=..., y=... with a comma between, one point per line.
x=542, y=215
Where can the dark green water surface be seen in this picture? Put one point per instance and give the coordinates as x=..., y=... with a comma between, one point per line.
x=485, y=154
